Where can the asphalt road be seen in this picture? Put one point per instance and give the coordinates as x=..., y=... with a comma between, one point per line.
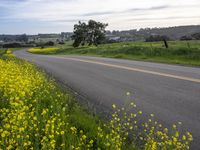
x=171, y=92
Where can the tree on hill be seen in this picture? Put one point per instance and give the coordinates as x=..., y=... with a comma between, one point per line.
x=92, y=33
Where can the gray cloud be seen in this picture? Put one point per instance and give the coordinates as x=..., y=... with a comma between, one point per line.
x=167, y=18
x=125, y=11
x=150, y=8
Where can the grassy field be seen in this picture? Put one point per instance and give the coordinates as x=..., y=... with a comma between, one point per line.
x=179, y=52
x=35, y=113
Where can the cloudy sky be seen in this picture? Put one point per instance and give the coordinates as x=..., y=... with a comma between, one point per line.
x=45, y=16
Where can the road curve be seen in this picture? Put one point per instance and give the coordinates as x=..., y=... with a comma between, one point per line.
x=171, y=92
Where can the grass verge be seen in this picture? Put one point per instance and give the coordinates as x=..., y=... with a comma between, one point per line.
x=36, y=114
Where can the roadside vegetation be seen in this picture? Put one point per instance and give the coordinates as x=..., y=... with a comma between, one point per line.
x=35, y=113
x=178, y=52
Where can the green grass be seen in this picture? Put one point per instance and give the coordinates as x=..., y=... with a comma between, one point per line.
x=179, y=52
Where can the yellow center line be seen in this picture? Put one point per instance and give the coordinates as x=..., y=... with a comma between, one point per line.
x=134, y=69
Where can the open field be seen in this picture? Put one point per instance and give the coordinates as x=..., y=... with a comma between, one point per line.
x=179, y=52
x=37, y=114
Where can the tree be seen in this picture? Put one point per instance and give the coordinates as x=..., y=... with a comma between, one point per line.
x=92, y=33
x=96, y=32
x=80, y=34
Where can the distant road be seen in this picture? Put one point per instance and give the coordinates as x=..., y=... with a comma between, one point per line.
x=171, y=92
